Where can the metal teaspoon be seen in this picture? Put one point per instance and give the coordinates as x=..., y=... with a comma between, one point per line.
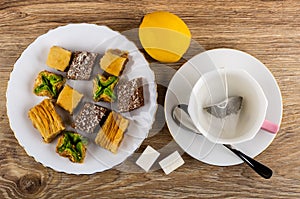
x=182, y=118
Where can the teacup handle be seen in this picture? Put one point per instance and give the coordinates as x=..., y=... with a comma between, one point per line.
x=270, y=127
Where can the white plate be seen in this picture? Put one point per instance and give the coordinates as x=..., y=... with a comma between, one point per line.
x=179, y=91
x=20, y=98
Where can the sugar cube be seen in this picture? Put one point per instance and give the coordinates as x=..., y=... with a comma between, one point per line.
x=171, y=162
x=147, y=159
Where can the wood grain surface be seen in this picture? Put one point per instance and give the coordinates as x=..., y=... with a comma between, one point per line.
x=267, y=29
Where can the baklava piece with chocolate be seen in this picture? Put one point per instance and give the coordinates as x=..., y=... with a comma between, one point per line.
x=46, y=120
x=89, y=117
x=58, y=58
x=112, y=132
x=130, y=95
x=82, y=65
x=103, y=89
x=114, y=61
x=48, y=84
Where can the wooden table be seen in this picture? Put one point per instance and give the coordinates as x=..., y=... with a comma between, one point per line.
x=267, y=29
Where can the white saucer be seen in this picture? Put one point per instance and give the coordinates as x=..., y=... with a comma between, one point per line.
x=179, y=91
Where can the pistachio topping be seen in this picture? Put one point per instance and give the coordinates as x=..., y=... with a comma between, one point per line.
x=72, y=145
x=104, y=88
x=48, y=84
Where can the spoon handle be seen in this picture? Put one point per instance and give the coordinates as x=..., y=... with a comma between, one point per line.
x=261, y=169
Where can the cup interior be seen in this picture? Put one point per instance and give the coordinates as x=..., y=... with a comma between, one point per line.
x=236, y=128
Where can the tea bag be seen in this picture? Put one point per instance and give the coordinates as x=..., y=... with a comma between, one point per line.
x=220, y=108
x=225, y=117
x=231, y=105
x=225, y=113
x=227, y=107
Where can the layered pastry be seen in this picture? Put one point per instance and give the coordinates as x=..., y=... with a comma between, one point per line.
x=89, y=117
x=48, y=84
x=114, y=61
x=130, y=95
x=58, y=58
x=46, y=120
x=103, y=89
x=82, y=65
x=112, y=131
x=69, y=98
x=72, y=146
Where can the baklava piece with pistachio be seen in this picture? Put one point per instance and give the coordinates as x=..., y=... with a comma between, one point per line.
x=104, y=88
x=72, y=145
x=48, y=84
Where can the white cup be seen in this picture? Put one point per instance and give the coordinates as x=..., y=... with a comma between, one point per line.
x=235, y=128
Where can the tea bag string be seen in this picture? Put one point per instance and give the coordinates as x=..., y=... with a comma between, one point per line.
x=225, y=102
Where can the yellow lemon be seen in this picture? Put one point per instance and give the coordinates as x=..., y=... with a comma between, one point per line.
x=164, y=36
